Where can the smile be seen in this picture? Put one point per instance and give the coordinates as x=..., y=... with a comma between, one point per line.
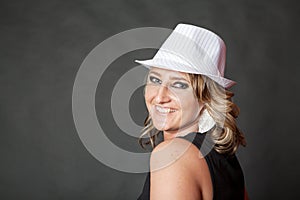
x=164, y=110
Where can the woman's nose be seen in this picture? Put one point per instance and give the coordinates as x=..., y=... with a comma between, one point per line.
x=162, y=95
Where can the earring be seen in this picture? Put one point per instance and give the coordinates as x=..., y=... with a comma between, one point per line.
x=206, y=122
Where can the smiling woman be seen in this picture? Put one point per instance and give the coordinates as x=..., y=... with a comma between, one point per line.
x=188, y=101
x=171, y=102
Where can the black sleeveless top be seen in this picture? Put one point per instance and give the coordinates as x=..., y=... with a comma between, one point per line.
x=225, y=171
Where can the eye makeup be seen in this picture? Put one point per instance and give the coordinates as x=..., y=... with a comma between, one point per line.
x=180, y=85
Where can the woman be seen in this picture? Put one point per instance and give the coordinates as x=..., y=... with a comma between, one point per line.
x=188, y=101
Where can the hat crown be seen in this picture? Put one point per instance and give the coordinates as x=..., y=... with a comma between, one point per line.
x=200, y=40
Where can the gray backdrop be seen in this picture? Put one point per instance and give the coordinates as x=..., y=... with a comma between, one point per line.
x=43, y=44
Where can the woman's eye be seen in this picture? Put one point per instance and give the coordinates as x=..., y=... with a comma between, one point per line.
x=154, y=80
x=180, y=85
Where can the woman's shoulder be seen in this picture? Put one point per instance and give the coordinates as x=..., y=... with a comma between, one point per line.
x=176, y=149
x=175, y=154
x=178, y=167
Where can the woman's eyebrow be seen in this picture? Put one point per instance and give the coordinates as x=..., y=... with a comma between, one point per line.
x=178, y=78
x=155, y=73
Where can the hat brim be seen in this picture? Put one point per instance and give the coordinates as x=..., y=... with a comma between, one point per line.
x=181, y=67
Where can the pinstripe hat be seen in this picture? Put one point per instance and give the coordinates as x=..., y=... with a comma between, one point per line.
x=195, y=50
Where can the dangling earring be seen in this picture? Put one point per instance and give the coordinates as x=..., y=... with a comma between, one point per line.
x=206, y=122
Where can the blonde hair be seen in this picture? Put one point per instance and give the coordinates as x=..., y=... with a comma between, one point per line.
x=217, y=100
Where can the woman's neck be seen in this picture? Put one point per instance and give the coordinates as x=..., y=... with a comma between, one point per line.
x=168, y=135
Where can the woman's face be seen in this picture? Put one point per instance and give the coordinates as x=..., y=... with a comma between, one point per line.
x=170, y=100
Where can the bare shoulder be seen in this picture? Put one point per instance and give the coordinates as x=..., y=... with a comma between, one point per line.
x=173, y=152
x=178, y=171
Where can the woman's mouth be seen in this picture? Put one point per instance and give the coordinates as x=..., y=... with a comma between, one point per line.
x=163, y=110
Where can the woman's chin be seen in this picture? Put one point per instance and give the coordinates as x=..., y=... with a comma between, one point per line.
x=164, y=127
x=160, y=126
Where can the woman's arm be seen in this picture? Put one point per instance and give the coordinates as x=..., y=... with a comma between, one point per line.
x=178, y=172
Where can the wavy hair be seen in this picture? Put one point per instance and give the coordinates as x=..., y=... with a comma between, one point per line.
x=218, y=102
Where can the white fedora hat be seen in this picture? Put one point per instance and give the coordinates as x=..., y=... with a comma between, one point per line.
x=195, y=50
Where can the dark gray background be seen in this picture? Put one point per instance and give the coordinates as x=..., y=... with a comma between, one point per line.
x=43, y=44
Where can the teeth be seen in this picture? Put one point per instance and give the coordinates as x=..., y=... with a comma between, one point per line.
x=164, y=110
